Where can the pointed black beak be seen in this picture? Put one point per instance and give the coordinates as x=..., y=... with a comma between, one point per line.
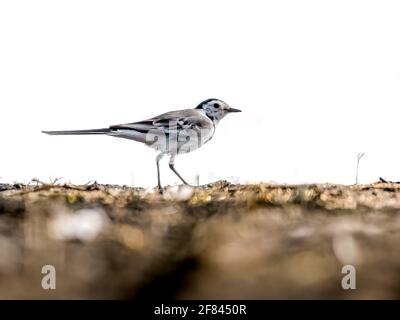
x=234, y=110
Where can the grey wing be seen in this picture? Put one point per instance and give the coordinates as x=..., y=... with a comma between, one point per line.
x=175, y=123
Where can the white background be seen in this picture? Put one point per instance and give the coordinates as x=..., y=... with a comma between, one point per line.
x=318, y=82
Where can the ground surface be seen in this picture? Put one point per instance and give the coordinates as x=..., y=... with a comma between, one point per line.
x=219, y=241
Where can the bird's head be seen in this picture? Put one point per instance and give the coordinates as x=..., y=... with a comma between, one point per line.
x=216, y=109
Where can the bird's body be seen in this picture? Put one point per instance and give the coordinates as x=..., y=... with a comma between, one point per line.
x=171, y=133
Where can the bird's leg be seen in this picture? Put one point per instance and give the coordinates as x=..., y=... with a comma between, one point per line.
x=172, y=167
x=159, y=157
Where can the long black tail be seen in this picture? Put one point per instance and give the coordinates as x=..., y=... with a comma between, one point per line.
x=78, y=132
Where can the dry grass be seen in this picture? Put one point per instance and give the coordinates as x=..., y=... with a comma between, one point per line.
x=217, y=241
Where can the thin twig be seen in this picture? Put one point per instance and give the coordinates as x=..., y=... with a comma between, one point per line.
x=359, y=156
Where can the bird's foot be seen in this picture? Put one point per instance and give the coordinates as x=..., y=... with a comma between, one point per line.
x=160, y=189
x=188, y=184
x=185, y=183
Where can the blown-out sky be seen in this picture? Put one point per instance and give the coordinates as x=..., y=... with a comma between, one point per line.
x=318, y=82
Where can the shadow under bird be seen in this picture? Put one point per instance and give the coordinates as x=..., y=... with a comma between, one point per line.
x=170, y=133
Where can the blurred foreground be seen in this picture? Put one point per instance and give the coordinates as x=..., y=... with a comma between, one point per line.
x=219, y=241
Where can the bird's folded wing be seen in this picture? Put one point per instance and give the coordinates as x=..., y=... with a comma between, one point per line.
x=169, y=123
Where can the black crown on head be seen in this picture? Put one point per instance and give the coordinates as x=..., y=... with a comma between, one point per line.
x=200, y=106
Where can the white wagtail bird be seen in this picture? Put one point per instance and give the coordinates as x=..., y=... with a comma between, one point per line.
x=170, y=133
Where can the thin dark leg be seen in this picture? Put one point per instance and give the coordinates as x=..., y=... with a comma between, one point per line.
x=159, y=157
x=172, y=167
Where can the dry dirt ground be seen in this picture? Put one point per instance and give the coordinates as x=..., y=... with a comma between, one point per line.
x=219, y=241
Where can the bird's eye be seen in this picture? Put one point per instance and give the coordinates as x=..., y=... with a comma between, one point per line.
x=216, y=105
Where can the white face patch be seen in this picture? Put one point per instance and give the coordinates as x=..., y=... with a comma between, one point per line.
x=209, y=109
x=213, y=112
